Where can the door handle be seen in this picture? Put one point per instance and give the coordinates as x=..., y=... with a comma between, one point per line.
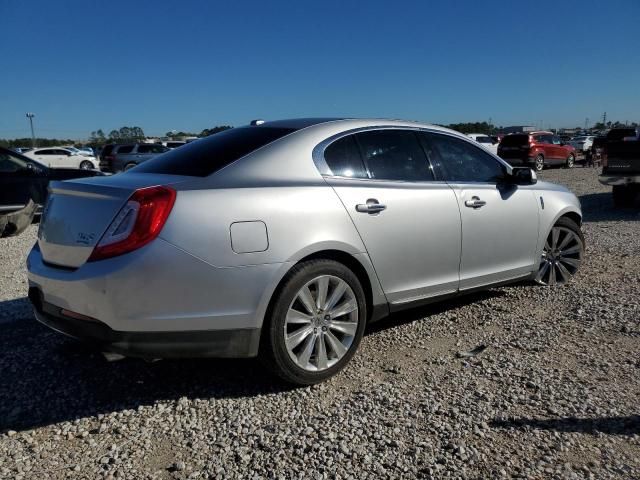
x=475, y=202
x=372, y=207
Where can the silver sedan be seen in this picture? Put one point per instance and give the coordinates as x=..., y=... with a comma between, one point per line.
x=285, y=239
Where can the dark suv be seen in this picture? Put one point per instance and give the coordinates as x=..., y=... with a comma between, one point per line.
x=536, y=150
x=117, y=158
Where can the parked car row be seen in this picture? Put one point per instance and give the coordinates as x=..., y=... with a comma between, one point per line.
x=536, y=150
x=116, y=158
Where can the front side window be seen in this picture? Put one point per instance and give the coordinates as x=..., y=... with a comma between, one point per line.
x=46, y=152
x=151, y=148
x=394, y=155
x=556, y=140
x=461, y=161
x=343, y=158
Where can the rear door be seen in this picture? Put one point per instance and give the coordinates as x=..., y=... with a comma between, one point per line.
x=499, y=220
x=408, y=221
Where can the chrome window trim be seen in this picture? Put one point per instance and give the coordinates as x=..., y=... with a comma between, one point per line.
x=324, y=169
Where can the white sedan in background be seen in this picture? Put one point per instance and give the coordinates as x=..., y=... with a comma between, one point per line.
x=486, y=141
x=61, y=157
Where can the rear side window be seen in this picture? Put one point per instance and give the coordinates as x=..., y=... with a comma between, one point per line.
x=124, y=149
x=343, y=158
x=394, y=155
x=151, y=148
x=208, y=155
x=461, y=161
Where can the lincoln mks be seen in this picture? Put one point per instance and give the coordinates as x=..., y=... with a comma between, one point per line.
x=284, y=239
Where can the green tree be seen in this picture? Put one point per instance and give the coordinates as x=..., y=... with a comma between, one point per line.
x=210, y=131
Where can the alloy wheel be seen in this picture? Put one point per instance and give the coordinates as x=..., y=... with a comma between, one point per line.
x=571, y=161
x=539, y=163
x=561, y=257
x=321, y=323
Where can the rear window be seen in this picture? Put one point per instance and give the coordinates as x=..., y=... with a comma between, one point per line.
x=210, y=154
x=484, y=140
x=515, y=140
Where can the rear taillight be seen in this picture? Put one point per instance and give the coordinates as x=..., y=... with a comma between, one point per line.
x=137, y=223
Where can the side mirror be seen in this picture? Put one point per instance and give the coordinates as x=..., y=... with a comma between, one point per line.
x=523, y=176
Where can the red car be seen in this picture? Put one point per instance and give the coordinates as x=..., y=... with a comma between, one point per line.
x=536, y=149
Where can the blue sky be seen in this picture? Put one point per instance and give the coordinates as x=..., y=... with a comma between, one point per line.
x=87, y=64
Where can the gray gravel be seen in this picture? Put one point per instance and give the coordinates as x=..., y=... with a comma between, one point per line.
x=555, y=394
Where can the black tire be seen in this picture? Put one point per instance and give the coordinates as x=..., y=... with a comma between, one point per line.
x=624, y=196
x=129, y=166
x=273, y=351
x=86, y=165
x=539, y=162
x=571, y=161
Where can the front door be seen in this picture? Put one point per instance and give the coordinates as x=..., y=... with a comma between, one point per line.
x=499, y=220
x=408, y=221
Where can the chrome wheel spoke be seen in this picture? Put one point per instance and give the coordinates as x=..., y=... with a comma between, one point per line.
x=321, y=353
x=307, y=299
x=565, y=241
x=307, y=350
x=565, y=274
x=336, y=345
x=552, y=275
x=569, y=251
x=298, y=336
x=298, y=318
x=542, y=271
x=321, y=295
x=570, y=261
x=336, y=295
x=344, y=308
x=348, y=328
x=555, y=233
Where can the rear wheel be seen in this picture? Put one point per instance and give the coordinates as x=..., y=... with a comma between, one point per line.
x=539, y=162
x=129, y=166
x=86, y=165
x=315, y=324
x=562, y=254
x=571, y=160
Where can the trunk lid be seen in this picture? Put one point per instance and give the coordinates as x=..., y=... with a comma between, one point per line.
x=79, y=211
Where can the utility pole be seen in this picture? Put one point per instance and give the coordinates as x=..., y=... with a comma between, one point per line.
x=586, y=123
x=33, y=136
x=604, y=119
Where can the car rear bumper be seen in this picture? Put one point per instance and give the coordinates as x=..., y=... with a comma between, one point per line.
x=619, y=179
x=231, y=343
x=158, y=301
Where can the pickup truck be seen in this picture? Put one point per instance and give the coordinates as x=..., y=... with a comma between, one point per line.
x=620, y=154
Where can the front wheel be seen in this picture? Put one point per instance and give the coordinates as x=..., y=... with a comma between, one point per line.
x=129, y=166
x=571, y=160
x=562, y=254
x=316, y=322
x=86, y=165
x=539, y=163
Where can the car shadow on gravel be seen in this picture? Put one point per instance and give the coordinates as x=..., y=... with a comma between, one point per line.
x=598, y=207
x=608, y=425
x=418, y=313
x=46, y=378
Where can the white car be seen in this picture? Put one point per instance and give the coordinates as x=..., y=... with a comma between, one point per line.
x=61, y=157
x=486, y=141
x=582, y=143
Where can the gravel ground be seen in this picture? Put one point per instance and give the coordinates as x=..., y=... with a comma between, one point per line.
x=555, y=394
